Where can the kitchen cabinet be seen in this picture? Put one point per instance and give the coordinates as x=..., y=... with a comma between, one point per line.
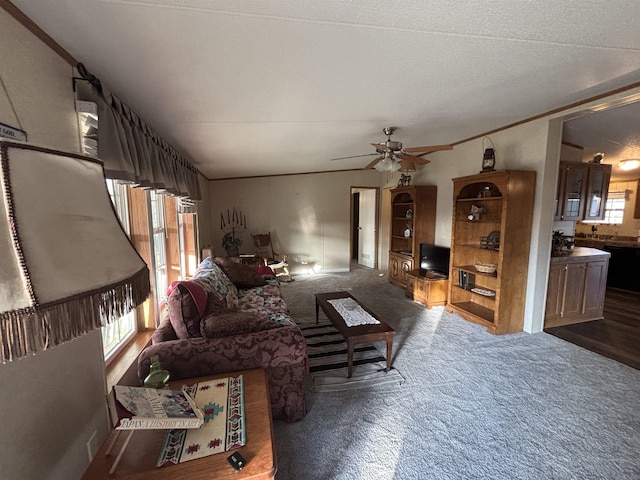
x=492, y=214
x=413, y=221
x=576, y=288
x=597, y=189
x=582, y=191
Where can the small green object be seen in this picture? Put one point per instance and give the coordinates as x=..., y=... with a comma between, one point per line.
x=158, y=377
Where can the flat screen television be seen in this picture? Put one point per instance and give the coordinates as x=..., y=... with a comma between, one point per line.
x=434, y=258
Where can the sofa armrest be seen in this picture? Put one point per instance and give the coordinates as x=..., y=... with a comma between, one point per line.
x=164, y=332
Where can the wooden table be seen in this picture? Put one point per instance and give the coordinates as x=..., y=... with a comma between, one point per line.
x=379, y=332
x=140, y=456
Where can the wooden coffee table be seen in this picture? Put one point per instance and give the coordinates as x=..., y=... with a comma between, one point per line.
x=139, y=458
x=379, y=332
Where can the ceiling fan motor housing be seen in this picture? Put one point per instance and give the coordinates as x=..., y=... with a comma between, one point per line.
x=393, y=145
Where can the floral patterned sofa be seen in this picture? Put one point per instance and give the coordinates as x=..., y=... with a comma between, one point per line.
x=228, y=317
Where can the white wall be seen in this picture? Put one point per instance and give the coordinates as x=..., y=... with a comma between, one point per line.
x=50, y=404
x=308, y=215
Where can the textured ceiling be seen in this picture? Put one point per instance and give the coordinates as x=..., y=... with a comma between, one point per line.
x=614, y=132
x=270, y=87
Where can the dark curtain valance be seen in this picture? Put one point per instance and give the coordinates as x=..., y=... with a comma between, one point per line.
x=133, y=152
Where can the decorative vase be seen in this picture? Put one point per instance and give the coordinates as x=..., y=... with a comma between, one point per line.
x=158, y=377
x=233, y=251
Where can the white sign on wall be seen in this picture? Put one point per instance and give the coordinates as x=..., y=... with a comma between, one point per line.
x=13, y=133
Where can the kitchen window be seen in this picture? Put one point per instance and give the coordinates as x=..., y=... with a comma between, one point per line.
x=614, y=209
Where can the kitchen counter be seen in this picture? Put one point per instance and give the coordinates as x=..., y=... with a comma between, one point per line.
x=581, y=254
x=624, y=264
x=577, y=285
x=600, y=242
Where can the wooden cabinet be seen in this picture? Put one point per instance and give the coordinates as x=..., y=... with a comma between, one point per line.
x=399, y=267
x=576, y=289
x=582, y=191
x=427, y=288
x=597, y=190
x=492, y=214
x=413, y=215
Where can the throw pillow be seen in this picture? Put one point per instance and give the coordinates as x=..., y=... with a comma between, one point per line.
x=233, y=323
x=187, y=304
x=264, y=270
x=241, y=275
x=214, y=280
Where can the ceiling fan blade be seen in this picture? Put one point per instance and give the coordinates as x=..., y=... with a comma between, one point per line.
x=373, y=163
x=428, y=149
x=381, y=147
x=353, y=156
x=416, y=160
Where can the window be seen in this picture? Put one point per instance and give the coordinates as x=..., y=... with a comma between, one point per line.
x=188, y=258
x=116, y=334
x=166, y=239
x=160, y=234
x=613, y=209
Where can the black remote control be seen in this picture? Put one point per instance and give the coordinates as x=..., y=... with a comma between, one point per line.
x=237, y=461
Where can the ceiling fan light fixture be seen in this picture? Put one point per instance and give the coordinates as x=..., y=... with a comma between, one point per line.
x=387, y=164
x=629, y=163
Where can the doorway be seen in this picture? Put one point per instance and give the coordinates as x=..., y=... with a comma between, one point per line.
x=607, y=131
x=364, y=226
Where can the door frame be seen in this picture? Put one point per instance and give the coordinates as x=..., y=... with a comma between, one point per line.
x=355, y=189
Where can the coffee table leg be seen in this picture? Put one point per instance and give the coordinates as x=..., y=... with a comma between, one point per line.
x=389, y=349
x=350, y=345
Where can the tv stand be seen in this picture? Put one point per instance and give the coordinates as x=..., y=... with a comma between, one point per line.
x=427, y=288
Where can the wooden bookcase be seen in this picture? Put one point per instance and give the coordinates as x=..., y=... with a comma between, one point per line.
x=413, y=221
x=499, y=234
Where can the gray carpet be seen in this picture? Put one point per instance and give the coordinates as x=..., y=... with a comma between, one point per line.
x=473, y=406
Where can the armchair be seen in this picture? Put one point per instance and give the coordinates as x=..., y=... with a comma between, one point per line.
x=273, y=260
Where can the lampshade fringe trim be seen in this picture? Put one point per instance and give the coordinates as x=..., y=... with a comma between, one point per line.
x=31, y=330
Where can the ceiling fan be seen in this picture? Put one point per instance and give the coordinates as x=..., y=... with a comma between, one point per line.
x=392, y=157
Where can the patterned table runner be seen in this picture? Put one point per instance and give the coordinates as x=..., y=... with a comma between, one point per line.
x=352, y=313
x=222, y=402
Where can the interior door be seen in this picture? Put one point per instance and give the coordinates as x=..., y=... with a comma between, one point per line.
x=367, y=228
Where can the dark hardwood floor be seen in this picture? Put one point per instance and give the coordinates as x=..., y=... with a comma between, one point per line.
x=617, y=336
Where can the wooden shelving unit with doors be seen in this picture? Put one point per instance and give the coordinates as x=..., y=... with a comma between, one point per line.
x=413, y=221
x=492, y=214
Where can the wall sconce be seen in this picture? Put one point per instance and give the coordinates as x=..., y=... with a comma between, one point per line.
x=489, y=157
x=629, y=164
x=66, y=265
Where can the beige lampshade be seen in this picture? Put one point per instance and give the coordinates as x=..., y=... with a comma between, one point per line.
x=407, y=166
x=66, y=265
